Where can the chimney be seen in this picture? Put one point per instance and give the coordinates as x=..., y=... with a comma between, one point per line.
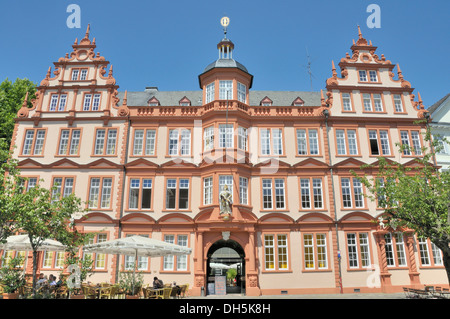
x=151, y=89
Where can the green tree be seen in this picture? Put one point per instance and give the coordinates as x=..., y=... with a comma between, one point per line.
x=41, y=216
x=415, y=197
x=11, y=99
x=10, y=193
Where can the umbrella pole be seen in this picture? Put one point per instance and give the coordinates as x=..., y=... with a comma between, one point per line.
x=134, y=270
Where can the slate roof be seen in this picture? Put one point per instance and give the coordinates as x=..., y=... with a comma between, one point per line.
x=172, y=98
x=444, y=101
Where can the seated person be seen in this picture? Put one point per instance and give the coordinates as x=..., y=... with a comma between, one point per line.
x=52, y=281
x=60, y=281
x=42, y=280
x=176, y=288
x=157, y=283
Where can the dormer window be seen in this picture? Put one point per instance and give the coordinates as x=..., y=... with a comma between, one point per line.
x=153, y=102
x=298, y=102
x=266, y=102
x=185, y=102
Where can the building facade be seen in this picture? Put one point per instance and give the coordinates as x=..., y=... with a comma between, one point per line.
x=155, y=163
x=440, y=128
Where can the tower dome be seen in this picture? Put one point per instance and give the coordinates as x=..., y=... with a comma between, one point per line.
x=225, y=60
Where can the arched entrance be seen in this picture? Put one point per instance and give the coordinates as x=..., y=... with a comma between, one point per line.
x=225, y=256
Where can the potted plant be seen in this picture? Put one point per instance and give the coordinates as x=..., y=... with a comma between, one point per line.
x=12, y=278
x=131, y=283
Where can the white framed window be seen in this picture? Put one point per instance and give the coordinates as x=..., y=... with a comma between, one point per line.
x=315, y=251
x=225, y=90
x=91, y=102
x=273, y=198
x=242, y=138
x=168, y=263
x=69, y=142
x=352, y=193
x=175, y=263
x=83, y=74
x=347, y=102
x=242, y=93
x=271, y=141
x=310, y=186
x=140, y=195
x=379, y=145
x=177, y=193
x=346, y=142
x=58, y=102
x=210, y=90
x=100, y=192
x=75, y=73
x=180, y=142
x=100, y=259
x=63, y=187
x=207, y=190
x=398, y=104
x=409, y=138
x=377, y=103
x=34, y=142
x=226, y=135
x=362, y=76
x=307, y=142
x=424, y=253
x=367, y=101
x=243, y=190
x=444, y=146
x=373, y=76
x=358, y=250
x=276, y=252
x=105, y=142
x=208, y=137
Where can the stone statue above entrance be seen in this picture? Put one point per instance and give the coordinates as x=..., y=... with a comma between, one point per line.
x=225, y=197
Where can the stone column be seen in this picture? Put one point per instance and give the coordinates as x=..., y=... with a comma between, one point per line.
x=199, y=273
x=385, y=276
x=413, y=273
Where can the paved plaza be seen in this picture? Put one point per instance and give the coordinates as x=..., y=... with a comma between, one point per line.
x=308, y=296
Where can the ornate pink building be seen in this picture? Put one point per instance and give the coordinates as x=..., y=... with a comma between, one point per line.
x=154, y=163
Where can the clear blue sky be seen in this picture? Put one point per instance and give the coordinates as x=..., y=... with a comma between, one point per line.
x=168, y=43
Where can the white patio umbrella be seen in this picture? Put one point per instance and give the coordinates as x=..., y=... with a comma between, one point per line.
x=137, y=246
x=223, y=266
x=22, y=243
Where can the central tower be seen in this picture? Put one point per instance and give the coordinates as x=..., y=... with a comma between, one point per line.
x=225, y=78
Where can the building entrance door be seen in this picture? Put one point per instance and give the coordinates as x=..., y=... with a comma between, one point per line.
x=225, y=268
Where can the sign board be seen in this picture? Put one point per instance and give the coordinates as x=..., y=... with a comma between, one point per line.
x=211, y=290
x=220, y=285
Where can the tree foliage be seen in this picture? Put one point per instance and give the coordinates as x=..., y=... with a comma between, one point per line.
x=11, y=99
x=37, y=212
x=415, y=197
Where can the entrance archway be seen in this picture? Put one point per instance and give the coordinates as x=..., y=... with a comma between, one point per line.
x=225, y=256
